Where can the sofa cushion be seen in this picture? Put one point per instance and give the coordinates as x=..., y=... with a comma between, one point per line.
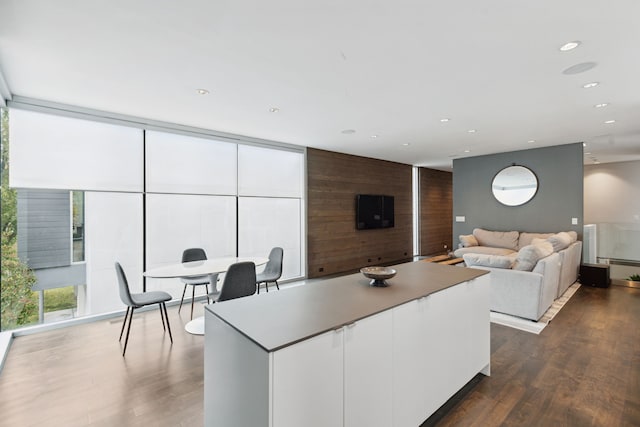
x=560, y=241
x=484, y=260
x=497, y=239
x=527, y=238
x=468, y=240
x=482, y=250
x=573, y=235
x=529, y=256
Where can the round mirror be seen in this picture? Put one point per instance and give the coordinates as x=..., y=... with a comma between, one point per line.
x=514, y=185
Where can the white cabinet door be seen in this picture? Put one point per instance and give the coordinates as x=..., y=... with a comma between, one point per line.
x=409, y=364
x=479, y=324
x=439, y=343
x=368, y=369
x=307, y=382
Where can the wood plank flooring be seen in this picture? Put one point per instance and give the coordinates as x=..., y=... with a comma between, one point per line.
x=582, y=370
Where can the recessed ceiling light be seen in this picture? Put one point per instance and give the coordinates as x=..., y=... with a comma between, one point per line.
x=570, y=46
x=531, y=141
x=374, y=136
x=202, y=91
x=472, y=131
x=274, y=109
x=604, y=104
x=444, y=120
x=406, y=144
x=609, y=122
x=580, y=68
x=467, y=151
x=590, y=85
x=348, y=131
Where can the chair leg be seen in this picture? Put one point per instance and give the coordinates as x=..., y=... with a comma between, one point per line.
x=193, y=298
x=182, y=299
x=266, y=286
x=126, y=340
x=162, y=318
x=166, y=315
x=277, y=286
x=124, y=322
x=258, y=286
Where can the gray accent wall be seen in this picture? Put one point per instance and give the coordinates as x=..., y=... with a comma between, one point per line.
x=559, y=170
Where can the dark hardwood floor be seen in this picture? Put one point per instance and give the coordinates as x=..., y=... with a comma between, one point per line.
x=582, y=370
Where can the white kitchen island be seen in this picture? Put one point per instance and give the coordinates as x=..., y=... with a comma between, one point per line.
x=342, y=353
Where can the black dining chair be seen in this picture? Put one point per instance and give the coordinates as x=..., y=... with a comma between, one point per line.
x=133, y=301
x=196, y=254
x=272, y=271
x=240, y=281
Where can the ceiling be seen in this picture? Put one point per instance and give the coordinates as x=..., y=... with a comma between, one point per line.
x=390, y=71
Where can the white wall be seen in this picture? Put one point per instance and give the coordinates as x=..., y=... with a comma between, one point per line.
x=612, y=201
x=612, y=193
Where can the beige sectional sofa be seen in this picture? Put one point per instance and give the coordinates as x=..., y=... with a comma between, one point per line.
x=528, y=270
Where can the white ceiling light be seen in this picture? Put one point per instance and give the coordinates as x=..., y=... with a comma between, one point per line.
x=202, y=91
x=467, y=151
x=444, y=120
x=570, y=46
x=531, y=141
x=609, y=122
x=472, y=131
x=274, y=109
x=590, y=85
x=604, y=104
x=406, y=144
x=348, y=131
x=374, y=136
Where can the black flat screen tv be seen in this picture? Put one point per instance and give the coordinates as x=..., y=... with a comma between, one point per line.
x=374, y=211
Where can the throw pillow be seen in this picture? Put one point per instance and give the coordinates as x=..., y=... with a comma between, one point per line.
x=468, y=240
x=529, y=256
x=527, y=238
x=560, y=241
x=484, y=260
x=573, y=235
x=497, y=239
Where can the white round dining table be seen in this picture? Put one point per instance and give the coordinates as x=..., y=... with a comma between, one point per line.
x=199, y=268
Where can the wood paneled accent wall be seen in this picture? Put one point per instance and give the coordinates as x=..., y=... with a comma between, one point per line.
x=333, y=243
x=436, y=211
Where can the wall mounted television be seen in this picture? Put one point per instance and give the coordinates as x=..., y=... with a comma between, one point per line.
x=374, y=211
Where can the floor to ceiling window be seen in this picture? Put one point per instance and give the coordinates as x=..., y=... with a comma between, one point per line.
x=79, y=195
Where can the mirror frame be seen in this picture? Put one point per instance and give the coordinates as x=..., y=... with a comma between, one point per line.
x=522, y=199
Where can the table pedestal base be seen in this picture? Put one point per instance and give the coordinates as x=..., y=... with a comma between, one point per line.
x=196, y=326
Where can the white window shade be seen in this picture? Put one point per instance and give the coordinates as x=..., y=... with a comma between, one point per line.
x=177, y=222
x=48, y=151
x=113, y=232
x=184, y=164
x=270, y=172
x=264, y=223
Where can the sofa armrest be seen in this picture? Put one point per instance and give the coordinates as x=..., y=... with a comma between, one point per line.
x=526, y=294
x=570, y=260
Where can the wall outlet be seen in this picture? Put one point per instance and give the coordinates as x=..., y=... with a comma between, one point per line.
x=574, y=221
